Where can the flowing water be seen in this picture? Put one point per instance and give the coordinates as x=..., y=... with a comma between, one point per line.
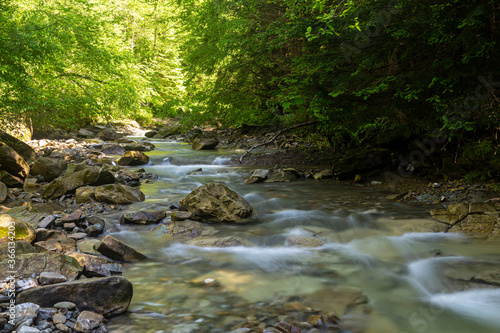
x=386, y=249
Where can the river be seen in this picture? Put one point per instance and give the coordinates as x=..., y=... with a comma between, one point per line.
x=380, y=255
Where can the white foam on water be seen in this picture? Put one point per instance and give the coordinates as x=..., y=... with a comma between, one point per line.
x=481, y=305
x=426, y=275
x=409, y=244
x=267, y=258
x=350, y=250
x=219, y=160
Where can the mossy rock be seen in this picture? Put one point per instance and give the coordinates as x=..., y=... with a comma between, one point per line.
x=23, y=231
x=214, y=202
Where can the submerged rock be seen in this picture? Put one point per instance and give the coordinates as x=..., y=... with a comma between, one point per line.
x=214, y=202
x=228, y=241
x=106, y=296
x=188, y=229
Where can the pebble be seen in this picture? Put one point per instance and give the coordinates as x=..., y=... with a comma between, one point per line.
x=65, y=305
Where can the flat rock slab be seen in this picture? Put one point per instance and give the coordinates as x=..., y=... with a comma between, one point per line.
x=106, y=296
x=143, y=217
x=116, y=250
x=36, y=263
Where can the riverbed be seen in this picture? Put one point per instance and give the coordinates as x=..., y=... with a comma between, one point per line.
x=382, y=266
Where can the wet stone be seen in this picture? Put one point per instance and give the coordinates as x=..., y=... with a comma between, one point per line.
x=59, y=318
x=65, y=305
x=26, y=311
x=47, y=222
x=28, y=329
x=116, y=250
x=51, y=278
x=87, y=321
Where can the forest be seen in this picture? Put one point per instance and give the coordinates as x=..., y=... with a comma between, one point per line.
x=370, y=73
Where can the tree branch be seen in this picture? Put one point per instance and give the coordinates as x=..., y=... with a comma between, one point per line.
x=278, y=134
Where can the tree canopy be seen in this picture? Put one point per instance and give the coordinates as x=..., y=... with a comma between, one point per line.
x=374, y=71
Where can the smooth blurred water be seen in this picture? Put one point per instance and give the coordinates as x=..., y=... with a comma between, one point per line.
x=383, y=247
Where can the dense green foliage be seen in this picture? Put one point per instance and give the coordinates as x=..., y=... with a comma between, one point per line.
x=371, y=72
x=66, y=63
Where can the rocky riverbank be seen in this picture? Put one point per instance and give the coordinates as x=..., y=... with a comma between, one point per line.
x=54, y=192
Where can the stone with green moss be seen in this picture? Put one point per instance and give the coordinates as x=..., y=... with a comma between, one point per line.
x=21, y=230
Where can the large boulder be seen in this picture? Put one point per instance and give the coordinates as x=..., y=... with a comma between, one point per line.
x=10, y=180
x=167, y=131
x=12, y=162
x=20, y=147
x=133, y=158
x=107, y=296
x=3, y=192
x=109, y=134
x=214, y=202
x=36, y=263
x=116, y=250
x=9, y=226
x=48, y=168
x=113, y=149
x=68, y=183
x=118, y=194
x=21, y=247
x=282, y=175
x=205, y=143
x=361, y=162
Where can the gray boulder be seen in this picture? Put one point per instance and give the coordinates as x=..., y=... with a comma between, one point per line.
x=205, y=143
x=12, y=162
x=88, y=175
x=19, y=146
x=118, y=194
x=10, y=180
x=113, y=149
x=48, y=168
x=106, y=296
x=143, y=217
x=36, y=263
x=214, y=202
